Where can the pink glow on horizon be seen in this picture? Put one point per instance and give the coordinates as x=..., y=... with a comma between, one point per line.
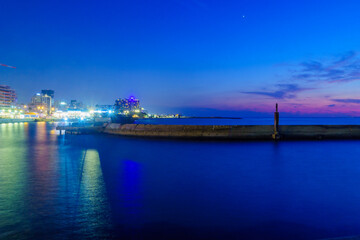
x=308, y=106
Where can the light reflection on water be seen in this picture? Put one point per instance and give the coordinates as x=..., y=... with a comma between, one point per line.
x=12, y=177
x=92, y=199
x=86, y=186
x=47, y=187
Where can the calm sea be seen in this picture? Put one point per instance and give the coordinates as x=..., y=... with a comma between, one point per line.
x=99, y=187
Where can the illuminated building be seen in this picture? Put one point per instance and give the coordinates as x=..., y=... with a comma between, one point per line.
x=124, y=105
x=47, y=97
x=7, y=96
x=134, y=104
x=104, y=108
x=48, y=93
x=75, y=105
x=103, y=111
x=61, y=105
x=126, y=110
x=48, y=102
x=43, y=102
x=38, y=107
x=36, y=98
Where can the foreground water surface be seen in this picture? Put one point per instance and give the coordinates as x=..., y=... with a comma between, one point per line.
x=98, y=186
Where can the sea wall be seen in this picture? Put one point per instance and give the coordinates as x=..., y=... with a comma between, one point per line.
x=319, y=131
x=192, y=131
x=244, y=132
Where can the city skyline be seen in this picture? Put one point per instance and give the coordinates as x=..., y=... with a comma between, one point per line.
x=195, y=57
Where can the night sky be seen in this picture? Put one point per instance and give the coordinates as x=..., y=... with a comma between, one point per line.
x=199, y=57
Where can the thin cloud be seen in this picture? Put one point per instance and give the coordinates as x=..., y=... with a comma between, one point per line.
x=347, y=100
x=344, y=69
x=346, y=58
x=312, y=66
x=284, y=91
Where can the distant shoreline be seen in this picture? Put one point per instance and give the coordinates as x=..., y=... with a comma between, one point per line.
x=214, y=117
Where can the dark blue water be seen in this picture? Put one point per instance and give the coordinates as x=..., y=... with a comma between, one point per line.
x=97, y=186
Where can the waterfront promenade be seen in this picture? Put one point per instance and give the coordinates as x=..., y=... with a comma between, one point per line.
x=9, y=120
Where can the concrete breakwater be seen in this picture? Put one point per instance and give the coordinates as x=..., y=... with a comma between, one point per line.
x=241, y=132
x=191, y=131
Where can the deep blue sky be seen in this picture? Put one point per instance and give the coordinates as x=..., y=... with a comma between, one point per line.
x=187, y=56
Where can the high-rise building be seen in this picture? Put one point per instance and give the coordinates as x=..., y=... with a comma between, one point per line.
x=48, y=92
x=48, y=102
x=36, y=98
x=47, y=97
x=43, y=102
x=7, y=96
x=134, y=103
x=127, y=104
x=122, y=104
